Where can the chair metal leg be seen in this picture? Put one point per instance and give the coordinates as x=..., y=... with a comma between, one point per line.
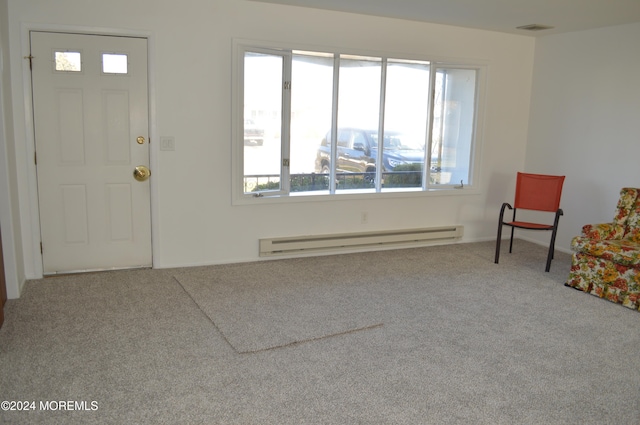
x=498, y=240
x=511, y=242
x=549, y=258
x=552, y=244
x=552, y=248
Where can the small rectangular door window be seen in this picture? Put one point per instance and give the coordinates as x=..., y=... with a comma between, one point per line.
x=68, y=61
x=114, y=63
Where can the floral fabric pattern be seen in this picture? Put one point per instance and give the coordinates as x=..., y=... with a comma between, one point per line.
x=607, y=258
x=620, y=251
x=605, y=279
x=632, y=232
x=603, y=231
x=626, y=202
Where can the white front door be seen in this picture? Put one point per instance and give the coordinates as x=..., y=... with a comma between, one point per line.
x=92, y=130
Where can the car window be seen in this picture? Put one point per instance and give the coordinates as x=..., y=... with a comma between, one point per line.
x=398, y=141
x=392, y=142
x=359, y=139
x=326, y=141
x=344, y=137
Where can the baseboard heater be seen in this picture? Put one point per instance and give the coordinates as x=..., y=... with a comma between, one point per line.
x=320, y=243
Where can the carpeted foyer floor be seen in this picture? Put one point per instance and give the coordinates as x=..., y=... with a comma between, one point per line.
x=436, y=335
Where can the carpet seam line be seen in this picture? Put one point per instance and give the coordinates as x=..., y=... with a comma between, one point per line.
x=302, y=341
x=207, y=316
x=290, y=344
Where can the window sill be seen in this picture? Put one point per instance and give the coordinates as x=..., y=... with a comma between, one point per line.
x=348, y=195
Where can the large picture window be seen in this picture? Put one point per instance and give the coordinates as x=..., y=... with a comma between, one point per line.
x=329, y=123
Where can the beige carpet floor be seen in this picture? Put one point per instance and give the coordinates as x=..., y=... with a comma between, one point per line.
x=298, y=302
x=436, y=335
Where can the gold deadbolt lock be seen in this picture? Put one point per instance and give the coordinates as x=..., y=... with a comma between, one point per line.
x=141, y=173
x=140, y=140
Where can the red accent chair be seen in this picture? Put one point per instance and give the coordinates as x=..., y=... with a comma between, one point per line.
x=537, y=192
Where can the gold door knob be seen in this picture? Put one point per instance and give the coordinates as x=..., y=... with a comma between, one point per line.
x=141, y=173
x=140, y=140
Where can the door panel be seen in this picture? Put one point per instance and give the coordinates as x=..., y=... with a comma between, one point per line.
x=120, y=214
x=116, y=120
x=75, y=212
x=88, y=116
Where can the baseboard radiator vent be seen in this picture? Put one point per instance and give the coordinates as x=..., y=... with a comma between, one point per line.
x=323, y=243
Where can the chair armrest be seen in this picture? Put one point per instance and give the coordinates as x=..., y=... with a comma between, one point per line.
x=603, y=231
x=505, y=205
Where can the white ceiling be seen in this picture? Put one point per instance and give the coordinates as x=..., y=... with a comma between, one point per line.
x=493, y=15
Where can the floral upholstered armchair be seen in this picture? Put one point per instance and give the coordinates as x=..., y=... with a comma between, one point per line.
x=606, y=261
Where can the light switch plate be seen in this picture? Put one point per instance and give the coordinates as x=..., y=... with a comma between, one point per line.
x=167, y=143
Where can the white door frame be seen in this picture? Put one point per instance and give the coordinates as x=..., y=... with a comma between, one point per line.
x=6, y=215
x=31, y=233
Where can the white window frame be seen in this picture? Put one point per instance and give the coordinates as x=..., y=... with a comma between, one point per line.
x=285, y=114
x=283, y=195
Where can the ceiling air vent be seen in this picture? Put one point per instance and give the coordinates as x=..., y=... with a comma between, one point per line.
x=534, y=27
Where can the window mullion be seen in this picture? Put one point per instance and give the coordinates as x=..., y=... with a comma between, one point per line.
x=427, y=142
x=379, y=159
x=432, y=95
x=441, y=128
x=285, y=169
x=334, y=124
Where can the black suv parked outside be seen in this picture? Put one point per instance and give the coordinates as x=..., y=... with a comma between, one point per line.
x=358, y=150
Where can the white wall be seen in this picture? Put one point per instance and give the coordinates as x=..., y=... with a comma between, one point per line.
x=585, y=120
x=9, y=212
x=195, y=221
